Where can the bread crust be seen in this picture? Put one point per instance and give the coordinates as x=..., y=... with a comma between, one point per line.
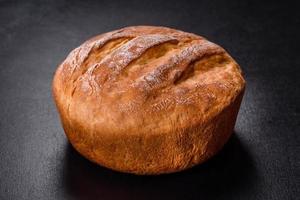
x=148, y=100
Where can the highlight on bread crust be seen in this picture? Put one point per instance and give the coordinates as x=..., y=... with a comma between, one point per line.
x=148, y=100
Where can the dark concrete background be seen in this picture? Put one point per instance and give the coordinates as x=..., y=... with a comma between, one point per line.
x=261, y=160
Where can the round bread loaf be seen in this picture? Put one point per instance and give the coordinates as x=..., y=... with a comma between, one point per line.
x=148, y=100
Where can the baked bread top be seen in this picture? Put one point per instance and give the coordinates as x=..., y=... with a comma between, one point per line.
x=145, y=80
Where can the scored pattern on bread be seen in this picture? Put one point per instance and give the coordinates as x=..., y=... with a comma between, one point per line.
x=105, y=58
x=132, y=96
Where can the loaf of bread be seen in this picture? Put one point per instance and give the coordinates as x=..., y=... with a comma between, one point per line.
x=148, y=100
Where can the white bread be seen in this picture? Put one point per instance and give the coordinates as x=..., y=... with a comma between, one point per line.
x=148, y=100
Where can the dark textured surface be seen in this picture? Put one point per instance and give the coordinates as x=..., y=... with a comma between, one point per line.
x=261, y=160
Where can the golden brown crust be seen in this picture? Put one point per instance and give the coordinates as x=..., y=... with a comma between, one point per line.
x=148, y=100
